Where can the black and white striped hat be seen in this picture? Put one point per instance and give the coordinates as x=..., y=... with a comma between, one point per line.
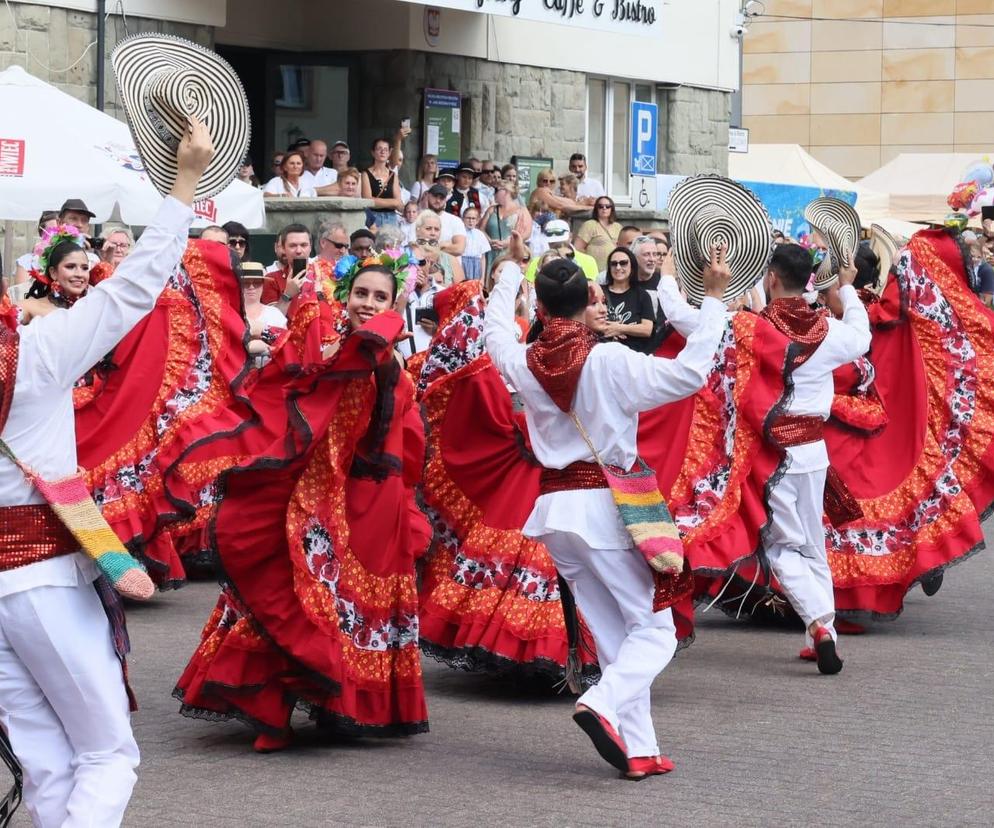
x=708, y=209
x=163, y=79
x=838, y=224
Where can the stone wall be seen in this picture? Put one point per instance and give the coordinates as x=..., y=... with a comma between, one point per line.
x=696, y=131
x=509, y=110
x=527, y=110
x=52, y=44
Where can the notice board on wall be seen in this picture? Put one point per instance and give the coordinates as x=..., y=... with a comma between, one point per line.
x=443, y=126
x=528, y=170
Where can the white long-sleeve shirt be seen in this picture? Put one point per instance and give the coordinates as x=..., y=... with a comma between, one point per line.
x=615, y=385
x=55, y=351
x=814, y=389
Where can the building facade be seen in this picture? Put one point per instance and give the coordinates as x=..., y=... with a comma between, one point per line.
x=536, y=78
x=857, y=82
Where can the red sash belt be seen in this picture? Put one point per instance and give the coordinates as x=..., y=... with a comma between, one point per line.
x=797, y=430
x=29, y=534
x=578, y=475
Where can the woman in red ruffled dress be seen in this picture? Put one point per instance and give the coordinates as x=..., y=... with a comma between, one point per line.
x=316, y=535
x=161, y=389
x=912, y=437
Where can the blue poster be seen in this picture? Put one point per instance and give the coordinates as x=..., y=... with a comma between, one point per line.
x=786, y=202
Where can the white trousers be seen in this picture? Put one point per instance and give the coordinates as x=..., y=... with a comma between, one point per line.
x=795, y=548
x=613, y=589
x=65, y=708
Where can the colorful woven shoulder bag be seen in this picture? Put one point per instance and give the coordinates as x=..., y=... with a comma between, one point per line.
x=643, y=510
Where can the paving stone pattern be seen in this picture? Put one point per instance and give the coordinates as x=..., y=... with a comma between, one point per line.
x=902, y=737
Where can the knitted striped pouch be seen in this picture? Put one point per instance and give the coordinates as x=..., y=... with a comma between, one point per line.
x=71, y=502
x=643, y=510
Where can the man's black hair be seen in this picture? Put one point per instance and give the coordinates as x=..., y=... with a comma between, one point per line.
x=792, y=265
x=561, y=287
x=362, y=233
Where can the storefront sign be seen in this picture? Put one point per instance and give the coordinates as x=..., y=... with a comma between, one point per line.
x=12, y=157
x=635, y=17
x=443, y=126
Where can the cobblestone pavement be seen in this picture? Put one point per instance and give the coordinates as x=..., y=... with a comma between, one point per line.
x=902, y=736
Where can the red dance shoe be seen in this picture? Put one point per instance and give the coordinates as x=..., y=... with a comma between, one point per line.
x=641, y=767
x=843, y=627
x=808, y=654
x=265, y=743
x=606, y=739
x=829, y=662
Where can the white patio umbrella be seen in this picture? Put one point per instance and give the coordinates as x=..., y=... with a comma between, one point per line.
x=59, y=147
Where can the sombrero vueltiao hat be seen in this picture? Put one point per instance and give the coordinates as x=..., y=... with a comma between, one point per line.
x=838, y=224
x=887, y=249
x=708, y=209
x=162, y=80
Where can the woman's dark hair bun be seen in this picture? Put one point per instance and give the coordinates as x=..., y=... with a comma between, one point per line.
x=560, y=270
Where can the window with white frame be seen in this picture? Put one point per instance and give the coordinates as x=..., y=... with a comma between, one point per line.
x=608, y=114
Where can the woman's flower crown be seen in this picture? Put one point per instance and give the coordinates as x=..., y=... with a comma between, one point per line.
x=52, y=237
x=395, y=260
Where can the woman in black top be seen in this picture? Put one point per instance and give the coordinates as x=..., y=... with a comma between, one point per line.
x=380, y=184
x=629, y=308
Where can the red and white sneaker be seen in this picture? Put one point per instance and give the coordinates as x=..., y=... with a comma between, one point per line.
x=808, y=654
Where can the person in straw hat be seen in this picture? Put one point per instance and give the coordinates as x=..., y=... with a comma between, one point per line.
x=63, y=699
x=582, y=401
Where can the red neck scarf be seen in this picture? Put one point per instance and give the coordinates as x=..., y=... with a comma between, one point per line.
x=556, y=358
x=795, y=319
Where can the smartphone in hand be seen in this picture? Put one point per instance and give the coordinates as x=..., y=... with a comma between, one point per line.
x=298, y=266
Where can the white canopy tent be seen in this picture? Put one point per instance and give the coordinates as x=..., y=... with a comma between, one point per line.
x=790, y=164
x=55, y=147
x=919, y=183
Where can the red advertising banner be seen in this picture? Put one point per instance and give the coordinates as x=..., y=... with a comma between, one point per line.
x=12, y=157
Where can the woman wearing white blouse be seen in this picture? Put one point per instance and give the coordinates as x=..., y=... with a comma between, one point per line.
x=287, y=184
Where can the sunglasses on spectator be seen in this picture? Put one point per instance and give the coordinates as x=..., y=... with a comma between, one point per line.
x=603, y=206
x=427, y=242
x=236, y=241
x=620, y=263
x=338, y=245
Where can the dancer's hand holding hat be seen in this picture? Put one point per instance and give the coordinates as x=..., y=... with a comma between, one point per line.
x=847, y=271
x=193, y=154
x=717, y=274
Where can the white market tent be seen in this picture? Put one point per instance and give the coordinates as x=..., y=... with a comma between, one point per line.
x=58, y=147
x=790, y=164
x=920, y=182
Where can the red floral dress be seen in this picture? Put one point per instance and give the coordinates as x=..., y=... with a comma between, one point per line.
x=317, y=534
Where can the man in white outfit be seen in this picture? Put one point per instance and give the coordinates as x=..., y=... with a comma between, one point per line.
x=794, y=541
x=63, y=701
x=605, y=385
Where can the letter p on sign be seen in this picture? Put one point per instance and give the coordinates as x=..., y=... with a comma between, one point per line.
x=644, y=127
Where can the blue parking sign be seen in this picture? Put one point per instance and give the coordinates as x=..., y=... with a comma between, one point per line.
x=645, y=121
